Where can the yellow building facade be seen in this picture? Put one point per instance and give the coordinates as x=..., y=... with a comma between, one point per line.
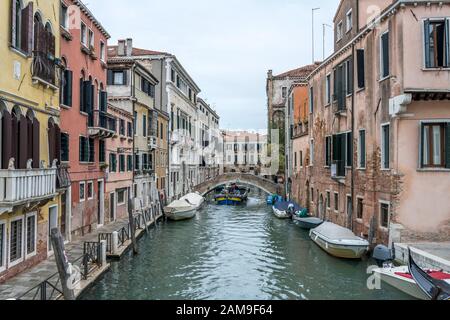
x=30, y=179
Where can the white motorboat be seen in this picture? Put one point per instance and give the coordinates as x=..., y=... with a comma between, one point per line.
x=180, y=210
x=339, y=241
x=401, y=279
x=195, y=199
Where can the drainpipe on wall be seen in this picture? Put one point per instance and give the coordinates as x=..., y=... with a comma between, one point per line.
x=350, y=217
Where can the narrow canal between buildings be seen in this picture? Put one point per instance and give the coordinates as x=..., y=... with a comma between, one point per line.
x=235, y=253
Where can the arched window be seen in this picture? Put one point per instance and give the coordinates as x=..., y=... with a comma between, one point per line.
x=66, y=85
x=44, y=51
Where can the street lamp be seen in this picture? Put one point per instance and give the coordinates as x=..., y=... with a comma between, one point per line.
x=323, y=45
x=312, y=13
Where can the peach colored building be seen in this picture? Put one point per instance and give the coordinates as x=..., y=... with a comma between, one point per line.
x=379, y=123
x=119, y=151
x=85, y=122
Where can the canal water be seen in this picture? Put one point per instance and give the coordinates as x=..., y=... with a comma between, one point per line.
x=235, y=253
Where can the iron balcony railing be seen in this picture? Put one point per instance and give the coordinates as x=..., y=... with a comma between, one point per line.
x=101, y=123
x=44, y=67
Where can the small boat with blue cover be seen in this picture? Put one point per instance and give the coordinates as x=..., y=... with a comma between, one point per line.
x=232, y=195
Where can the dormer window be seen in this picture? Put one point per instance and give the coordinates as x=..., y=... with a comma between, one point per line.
x=349, y=20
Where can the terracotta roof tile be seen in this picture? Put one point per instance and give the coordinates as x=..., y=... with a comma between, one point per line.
x=112, y=52
x=299, y=72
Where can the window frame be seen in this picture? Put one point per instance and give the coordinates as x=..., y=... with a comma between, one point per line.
x=328, y=97
x=382, y=144
x=90, y=183
x=65, y=26
x=442, y=125
x=446, y=21
x=380, y=203
x=80, y=199
x=328, y=199
x=382, y=71
x=22, y=257
x=3, y=245
x=119, y=203
x=84, y=34
x=328, y=151
x=359, y=200
x=336, y=202
x=34, y=252
x=339, y=31
x=349, y=27
x=360, y=149
x=102, y=51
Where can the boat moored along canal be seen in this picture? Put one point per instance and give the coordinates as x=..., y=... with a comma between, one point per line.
x=232, y=195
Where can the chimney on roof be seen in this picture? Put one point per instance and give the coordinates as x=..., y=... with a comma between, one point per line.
x=269, y=74
x=129, y=47
x=121, y=48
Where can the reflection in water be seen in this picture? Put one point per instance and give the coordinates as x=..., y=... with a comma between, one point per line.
x=235, y=253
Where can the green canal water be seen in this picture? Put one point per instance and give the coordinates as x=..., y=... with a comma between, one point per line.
x=234, y=253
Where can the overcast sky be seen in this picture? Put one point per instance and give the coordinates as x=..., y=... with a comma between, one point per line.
x=227, y=46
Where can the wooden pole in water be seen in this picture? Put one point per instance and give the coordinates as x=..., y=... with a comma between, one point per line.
x=62, y=263
x=132, y=226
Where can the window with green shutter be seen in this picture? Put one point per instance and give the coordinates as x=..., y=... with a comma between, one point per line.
x=112, y=162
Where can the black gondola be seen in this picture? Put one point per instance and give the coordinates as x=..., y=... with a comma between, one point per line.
x=435, y=289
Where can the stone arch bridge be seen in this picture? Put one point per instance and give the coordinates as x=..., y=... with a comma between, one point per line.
x=244, y=178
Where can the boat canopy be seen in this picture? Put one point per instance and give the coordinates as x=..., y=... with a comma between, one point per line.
x=179, y=204
x=336, y=232
x=284, y=205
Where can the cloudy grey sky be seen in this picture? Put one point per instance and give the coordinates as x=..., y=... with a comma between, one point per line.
x=227, y=46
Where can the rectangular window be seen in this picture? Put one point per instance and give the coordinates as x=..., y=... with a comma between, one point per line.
x=31, y=234
x=16, y=240
x=336, y=201
x=384, y=59
x=301, y=158
x=83, y=149
x=64, y=19
x=349, y=76
x=91, y=149
x=349, y=205
x=90, y=190
x=328, y=199
x=384, y=214
x=122, y=163
x=437, y=43
x=360, y=208
x=91, y=39
x=328, y=89
x=349, y=148
x=349, y=20
x=102, y=151
x=117, y=77
x=129, y=129
x=385, y=146
x=122, y=127
x=435, y=145
x=312, y=194
x=144, y=125
x=172, y=75
x=361, y=68
x=112, y=162
x=2, y=245
x=82, y=191
x=121, y=197
x=129, y=162
x=137, y=165
x=284, y=92
x=327, y=151
x=102, y=51
x=339, y=31
x=311, y=152
x=84, y=34
x=311, y=100
x=362, y=149
x=64, y=147
x=66, y=88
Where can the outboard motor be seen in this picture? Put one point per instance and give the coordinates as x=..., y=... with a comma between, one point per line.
x=291, y=210
x=383, y=255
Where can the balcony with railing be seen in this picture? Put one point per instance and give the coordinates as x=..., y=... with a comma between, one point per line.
x=25, y=186
x=101, y=124
x=44, y=68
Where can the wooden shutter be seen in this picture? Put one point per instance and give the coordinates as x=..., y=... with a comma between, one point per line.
x=27, y=29
x=361, y=68
x=125, y=78
x=13, y=23
x=15, y=140
x=68, y=76
x=103, y=101
x=57, y=142
x=349, y=143
x=350, y=76
x=447, y=42
x=6, y=139
x=385, y=53
x=447, y=145
x=87, y=96
x=51, y=143
x=29, y=138
x=426, y=34
x=36, y=138
x=110, y=77
x=386, y=146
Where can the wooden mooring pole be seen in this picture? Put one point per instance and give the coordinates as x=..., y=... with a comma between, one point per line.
x=132, y=226
x=62, y=264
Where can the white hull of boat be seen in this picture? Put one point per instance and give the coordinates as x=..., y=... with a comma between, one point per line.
x=406, y=285
x=280, y=214
x=345, y=247
x=181, y=215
